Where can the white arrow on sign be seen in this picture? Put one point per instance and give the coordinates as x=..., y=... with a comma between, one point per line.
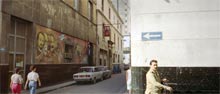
x=151, y=36
x=148, y=36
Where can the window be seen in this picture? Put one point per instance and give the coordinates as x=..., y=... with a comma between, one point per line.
x=68, y=53
x=126, y=15
x=109, y=12
x=114, y=19
x=105, y=63
x=76, y=5
x=113, y=58
x=86, y=69
x=114, y=37
x=118, y=58
x=90, y=10
x=102, y=5
x=117, y=24
x=100, y=61
x=121, y=44
x=103, y=30
x=126, y=26
x=118, y=43
x=17, y=40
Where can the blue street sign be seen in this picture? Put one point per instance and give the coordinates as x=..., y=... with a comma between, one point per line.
x=150, y=36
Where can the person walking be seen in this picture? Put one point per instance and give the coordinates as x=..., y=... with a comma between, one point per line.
x=16, y=81
x=128, y=80
x=154, y=85
x=32, y=79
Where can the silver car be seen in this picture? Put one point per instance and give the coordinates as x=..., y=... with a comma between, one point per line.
x=106, y=73
x=88, y=73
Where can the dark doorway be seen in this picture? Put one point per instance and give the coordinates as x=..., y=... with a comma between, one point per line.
x=90, y=54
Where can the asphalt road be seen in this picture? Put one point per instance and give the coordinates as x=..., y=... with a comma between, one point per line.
x=114, y=85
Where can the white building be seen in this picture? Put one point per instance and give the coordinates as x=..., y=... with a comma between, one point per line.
x=189, y=32
x=183, y=36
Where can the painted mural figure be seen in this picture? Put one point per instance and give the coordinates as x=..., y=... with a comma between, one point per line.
x=154, y=85
x=47, y=48
x=41, y=46
x=53, y=51
x=51, y=48
x=52, y=45
x=78, y=52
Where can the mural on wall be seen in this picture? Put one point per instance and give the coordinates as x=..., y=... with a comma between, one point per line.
x=53, y=47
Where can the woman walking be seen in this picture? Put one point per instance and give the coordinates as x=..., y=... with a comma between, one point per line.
x=16, y=81
x=32, y=79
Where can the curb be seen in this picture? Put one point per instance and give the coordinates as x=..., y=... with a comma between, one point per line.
x=50, y=88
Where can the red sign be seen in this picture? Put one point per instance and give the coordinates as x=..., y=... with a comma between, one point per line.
x=106, y=30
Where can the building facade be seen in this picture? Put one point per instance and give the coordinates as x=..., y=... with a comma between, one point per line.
x=53, y=35
x=109, y=33
x=123, y=7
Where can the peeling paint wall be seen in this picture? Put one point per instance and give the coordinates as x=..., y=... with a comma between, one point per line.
x=53, y=47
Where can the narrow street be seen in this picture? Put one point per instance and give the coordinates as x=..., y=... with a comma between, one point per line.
x=48, y=46
x=115, y=85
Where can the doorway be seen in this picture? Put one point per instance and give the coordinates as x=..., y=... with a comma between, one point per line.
x=17, y=45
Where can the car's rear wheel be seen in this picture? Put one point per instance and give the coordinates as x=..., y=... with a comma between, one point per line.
x=102, y=78
x=77, y=82
x=94, y=81
x=110, y=76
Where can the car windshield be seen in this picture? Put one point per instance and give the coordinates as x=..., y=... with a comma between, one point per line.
x=86, y=70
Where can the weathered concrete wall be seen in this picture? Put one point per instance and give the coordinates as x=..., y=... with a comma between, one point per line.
x=4, y=67
x=4, y=78
x=54, y=14
x=5, y=26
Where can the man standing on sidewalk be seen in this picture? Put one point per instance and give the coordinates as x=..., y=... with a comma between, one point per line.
x=154, y=85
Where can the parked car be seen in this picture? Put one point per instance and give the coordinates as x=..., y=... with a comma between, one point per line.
x=106, y=73
x=88, y=73
x=116, y=68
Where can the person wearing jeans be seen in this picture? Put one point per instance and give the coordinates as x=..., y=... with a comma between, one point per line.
x=32, y=79
x=32, y=86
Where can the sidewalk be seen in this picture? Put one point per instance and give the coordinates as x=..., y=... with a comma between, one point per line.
x=50, y=88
